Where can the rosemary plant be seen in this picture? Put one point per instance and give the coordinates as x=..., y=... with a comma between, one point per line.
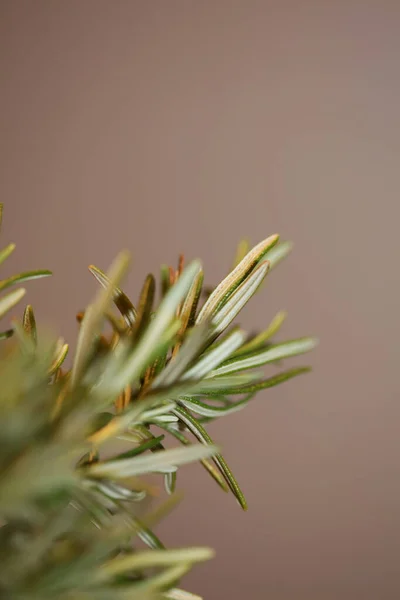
x=71, y=499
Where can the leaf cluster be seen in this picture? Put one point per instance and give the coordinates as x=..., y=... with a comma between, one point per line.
x=70, y=496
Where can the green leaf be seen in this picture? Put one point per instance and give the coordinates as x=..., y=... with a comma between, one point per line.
x=278, y=253
x=166, y=461
x=167, y=578
x=216, y=356
x=26, y=342
x=61, y=355
x=5, y=253
x=177, y=366
x=22, y=277
x=170, y=482
x=148, y=536
x=206, y=410
x=10, y=300
x=4, y=335
x=266, y=383
x=178, y=594
x=189, y=307
x=94, y=317
x=204, y=462
x=272, y=354
x=240, y=297
x=145, y=306
x=29, y=323
x=260, y=339
x=165, y=280
x=134, y=414
x=198, y=285
x=241, y=251
x=226, y=288
x=120, y=299
x=123, y=370
x=119, y=493
x=144, y=351
x=153, y=442
x=201, y=434
x=148, y=559
x=218, y=385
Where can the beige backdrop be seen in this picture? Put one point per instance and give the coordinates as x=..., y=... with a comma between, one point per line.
x=166, y=125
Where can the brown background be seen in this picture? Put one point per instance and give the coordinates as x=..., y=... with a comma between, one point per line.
x=164, y=126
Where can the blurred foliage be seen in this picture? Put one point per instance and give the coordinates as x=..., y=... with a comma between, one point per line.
x=71, y=504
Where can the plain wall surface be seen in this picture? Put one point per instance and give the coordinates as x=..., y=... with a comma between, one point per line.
x=169, y=126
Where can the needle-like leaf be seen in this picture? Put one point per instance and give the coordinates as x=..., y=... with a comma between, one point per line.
x=201, y=434
x=10, y=300
x=260, y=339
x=178, y=365
x=95, y=315
x=144, y=351
x=224, y=290
x=23, y=277
x=61, y=355
x=166, y=461
x=29, y=323
x=205, y=462
x=262, y=385
x=239, y=298
x=5, y=253
x=216, y=356
x=153, y=558
x=120, y=299
x=276, y=254
x=272, y=354
x=145, y=306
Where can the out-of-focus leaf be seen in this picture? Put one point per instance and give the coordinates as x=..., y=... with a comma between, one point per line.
x=10, y=300
x=5, y=253
x=226, y=288
x=29, y=323
x=144, y=351
x=22, y=277
x=61, y=354
x=153, y=558
x=95, y=315
x=4, y=335
x=192, y=345
x=152, y=442
x=128, y=365
x=278, y=253
x=148, y=536
x=241, y=251
x=145, y=306
x=166, y=461
x=134, y=414
x=264, y=336
x=118, y=492
x=178, y=594
x=165, y=280
x=120, y=299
